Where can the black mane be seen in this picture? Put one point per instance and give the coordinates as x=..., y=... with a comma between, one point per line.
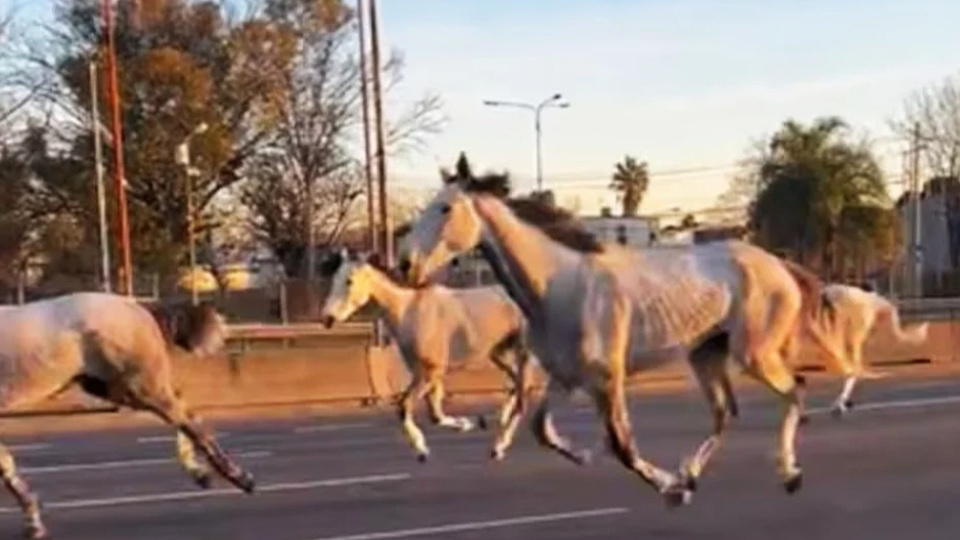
x=559, y=224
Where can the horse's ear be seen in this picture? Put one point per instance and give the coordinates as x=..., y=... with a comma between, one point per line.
x=331, y=263
x=374, y=260
x=446, y=176
x=463, y=168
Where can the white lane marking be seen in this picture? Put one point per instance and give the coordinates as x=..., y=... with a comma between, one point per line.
x=29, y=447
x=482, y=525
x=106, y=465
x=186, y=495
x=171, y=438
x=330, y=427
x=897, y=404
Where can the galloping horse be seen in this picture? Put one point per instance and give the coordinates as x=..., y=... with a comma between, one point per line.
x=435, y=327
x=856, y=313
x=599, y=312
x=115, y=349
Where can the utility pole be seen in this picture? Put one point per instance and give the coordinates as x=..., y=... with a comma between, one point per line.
x=98, y=175
x=126, y=272
x=386, y=238
x=373, y=243
x=916, y=187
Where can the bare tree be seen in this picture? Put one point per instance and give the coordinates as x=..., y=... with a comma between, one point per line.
x=936, y=110
x=307, y=179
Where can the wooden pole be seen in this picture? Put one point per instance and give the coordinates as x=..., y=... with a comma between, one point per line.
x=126, y=273
x=386, y=239
x=372, y=241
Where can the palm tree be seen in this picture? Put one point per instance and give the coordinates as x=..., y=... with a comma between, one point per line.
x=807, y=177
x=630, y=180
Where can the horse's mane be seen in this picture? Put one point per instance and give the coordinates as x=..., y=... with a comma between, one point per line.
x=558, y=223
x=332, y=262
x=186, y=325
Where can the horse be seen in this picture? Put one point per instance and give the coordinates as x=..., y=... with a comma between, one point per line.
x=436, y=327
x=116, y=349
x=857, y=313
x=599, y=312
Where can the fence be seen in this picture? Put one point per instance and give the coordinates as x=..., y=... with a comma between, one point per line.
x=270, y=365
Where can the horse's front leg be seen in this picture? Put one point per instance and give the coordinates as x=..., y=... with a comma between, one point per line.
x=544, y=430
x=413, y=393
x=709, y=364
x=435, y=405
x=844, y=401
x=514, y=407
x=28, y=502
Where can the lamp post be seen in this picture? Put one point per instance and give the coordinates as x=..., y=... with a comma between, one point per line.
x=183, y=159
x=552, y=101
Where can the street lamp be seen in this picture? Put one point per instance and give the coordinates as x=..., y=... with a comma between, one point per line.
x=182, y=157
x=552, y=101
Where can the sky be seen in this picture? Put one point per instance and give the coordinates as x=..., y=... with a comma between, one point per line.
x=682, y=84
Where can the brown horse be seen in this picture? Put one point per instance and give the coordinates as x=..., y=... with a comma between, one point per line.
x=116, y=349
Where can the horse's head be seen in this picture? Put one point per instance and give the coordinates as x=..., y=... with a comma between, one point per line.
x=350, y=286
x=449, y=226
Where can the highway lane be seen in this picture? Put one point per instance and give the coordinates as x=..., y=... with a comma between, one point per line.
x=889, y=470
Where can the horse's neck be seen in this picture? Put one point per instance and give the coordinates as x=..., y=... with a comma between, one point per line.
x=391, y=298
x=524, y=259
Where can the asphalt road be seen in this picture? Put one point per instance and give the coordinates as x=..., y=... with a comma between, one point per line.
x=890, y=470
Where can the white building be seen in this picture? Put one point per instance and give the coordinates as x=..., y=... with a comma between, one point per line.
x=635, y=231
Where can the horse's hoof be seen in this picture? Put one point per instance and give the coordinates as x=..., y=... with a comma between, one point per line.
x=482, y=422
x=677, y=496
x=689, y=482
x=203, y=480
x=246, y=483
x=497, y=455
x=837, y=412
x=35, y=531
x=794, y=483
x=422, y=457
x=583, y=457
x=848, y=405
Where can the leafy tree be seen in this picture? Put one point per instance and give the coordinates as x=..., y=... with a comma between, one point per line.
x=180, y=64
x=807, y=178
x=630, y=180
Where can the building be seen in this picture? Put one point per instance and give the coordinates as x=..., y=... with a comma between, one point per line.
x=634, y=231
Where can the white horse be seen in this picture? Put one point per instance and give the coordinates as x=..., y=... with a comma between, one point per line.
x=856, y=313
x=599, y=312
x=436, y=327
x=115, y=349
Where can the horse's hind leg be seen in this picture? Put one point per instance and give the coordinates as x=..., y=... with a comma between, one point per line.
x=772, y=372
x=709, y=364
x=28, y=502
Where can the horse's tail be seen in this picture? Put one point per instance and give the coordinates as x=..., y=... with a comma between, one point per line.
x=198, y=329
x=817, y=311
x=911, y=334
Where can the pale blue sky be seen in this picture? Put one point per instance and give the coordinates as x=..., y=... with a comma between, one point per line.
x=679, y=83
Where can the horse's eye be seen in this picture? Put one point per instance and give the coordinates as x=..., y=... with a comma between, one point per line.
x=445, y=209
x=349, y=282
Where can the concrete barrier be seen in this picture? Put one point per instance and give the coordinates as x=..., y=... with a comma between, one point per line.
x=343, y=367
